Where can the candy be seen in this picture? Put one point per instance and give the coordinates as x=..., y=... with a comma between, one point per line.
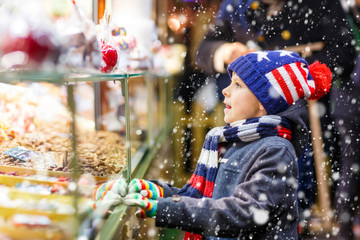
x=31, y=220
x=119, y=31
x=123, y=42
x=36, y=45
x=109, y=58
x=5, y=133
x=63, y=179
x=12, y=173
x=56, y=188
x=34, y=188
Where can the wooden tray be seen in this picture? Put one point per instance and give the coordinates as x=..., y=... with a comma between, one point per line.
x=30, y=171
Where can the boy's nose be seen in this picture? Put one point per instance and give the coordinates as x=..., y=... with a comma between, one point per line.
x=224, y=92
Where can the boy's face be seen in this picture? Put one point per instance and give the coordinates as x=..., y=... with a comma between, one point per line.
x=240, y=102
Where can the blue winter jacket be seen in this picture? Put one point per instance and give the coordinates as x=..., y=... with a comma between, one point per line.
x=255, y=190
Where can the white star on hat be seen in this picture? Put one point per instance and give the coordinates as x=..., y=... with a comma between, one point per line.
x=286, y=53
x=261, y=56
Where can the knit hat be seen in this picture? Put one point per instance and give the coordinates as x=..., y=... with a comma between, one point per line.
x=279, y=78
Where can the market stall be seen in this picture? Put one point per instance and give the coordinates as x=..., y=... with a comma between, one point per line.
x=78, y=103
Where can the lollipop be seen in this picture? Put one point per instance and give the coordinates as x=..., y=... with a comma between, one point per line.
x=109, y=58
x=123, y=42
x=108, y=48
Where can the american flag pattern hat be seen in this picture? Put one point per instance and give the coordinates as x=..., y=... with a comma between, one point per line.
x=279, y=78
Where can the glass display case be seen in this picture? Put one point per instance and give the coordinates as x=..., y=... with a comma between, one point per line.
x=51, y=169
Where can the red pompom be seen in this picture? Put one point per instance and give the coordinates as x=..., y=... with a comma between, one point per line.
x=322, y=78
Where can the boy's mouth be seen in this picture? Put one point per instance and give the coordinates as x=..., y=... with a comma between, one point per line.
x=227, y=106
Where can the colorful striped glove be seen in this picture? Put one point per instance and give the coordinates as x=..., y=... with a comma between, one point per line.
x=109, y=200
x=148, y=206
x=118, y=186
x=146, y=188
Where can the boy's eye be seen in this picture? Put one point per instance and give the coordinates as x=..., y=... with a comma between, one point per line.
x=238, y=84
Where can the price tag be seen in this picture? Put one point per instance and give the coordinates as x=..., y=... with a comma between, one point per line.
x=21, y=153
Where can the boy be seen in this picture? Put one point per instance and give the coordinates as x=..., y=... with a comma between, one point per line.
x=245, y=182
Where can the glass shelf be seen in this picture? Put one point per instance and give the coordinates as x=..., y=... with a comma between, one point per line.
x=63, y=78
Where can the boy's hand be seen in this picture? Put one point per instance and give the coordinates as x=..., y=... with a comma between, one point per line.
x=102, y=207
x=146, y=188
x=148, y=206
x=118, y=186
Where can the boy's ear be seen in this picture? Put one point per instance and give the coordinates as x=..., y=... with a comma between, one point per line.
x=261, y=108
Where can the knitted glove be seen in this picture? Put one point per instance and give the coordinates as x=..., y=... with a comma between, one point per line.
x=148, y=206
x=146, y=188
x=118, y=186
x=101, y=207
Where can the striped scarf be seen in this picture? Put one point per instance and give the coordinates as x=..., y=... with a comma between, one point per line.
x=201, y=184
